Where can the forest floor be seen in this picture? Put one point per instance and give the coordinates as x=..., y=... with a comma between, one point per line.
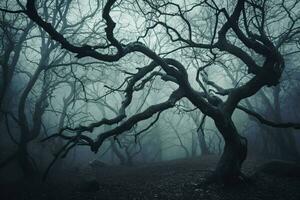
x=177, y=179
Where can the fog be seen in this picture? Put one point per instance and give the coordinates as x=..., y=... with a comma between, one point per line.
x=94, y=85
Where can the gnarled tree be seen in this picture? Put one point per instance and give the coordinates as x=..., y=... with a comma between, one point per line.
x=239, y=29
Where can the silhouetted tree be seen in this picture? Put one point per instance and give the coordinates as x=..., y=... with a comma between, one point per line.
x=239, y=29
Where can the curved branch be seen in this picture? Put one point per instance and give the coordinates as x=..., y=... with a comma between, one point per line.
x=268, y=122
x=81, y=51
x=146, y=114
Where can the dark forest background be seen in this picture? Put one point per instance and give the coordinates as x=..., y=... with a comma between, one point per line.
x=99, y=84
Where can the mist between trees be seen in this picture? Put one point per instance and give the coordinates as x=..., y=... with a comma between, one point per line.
x=132, y=82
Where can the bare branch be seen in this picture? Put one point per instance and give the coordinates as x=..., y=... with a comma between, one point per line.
x=263, y=120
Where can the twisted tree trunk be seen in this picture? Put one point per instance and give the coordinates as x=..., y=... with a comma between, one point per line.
x=234, y=154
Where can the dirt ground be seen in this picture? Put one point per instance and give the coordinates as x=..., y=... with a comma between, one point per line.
x=179, y=179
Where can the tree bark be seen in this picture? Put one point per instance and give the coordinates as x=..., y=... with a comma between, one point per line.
x=28, y=169
x=234, y=154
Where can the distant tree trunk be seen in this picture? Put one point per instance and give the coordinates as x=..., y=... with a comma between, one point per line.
x=286, y=143
x=201, y=138
x=186, y=151
x=27, y=135
x=282, y=144
x=58, y=143
x=194, y=145
x=119, y=155
x=234, y=154
x=292, y=143
x=181, y=144
x=266, y=149
x=24, y=161
x=8, y=64
x=286, y=140
x=129, y=157
x=158, y=141
x=159, y=145
x=5, y=75
x=202, y=143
